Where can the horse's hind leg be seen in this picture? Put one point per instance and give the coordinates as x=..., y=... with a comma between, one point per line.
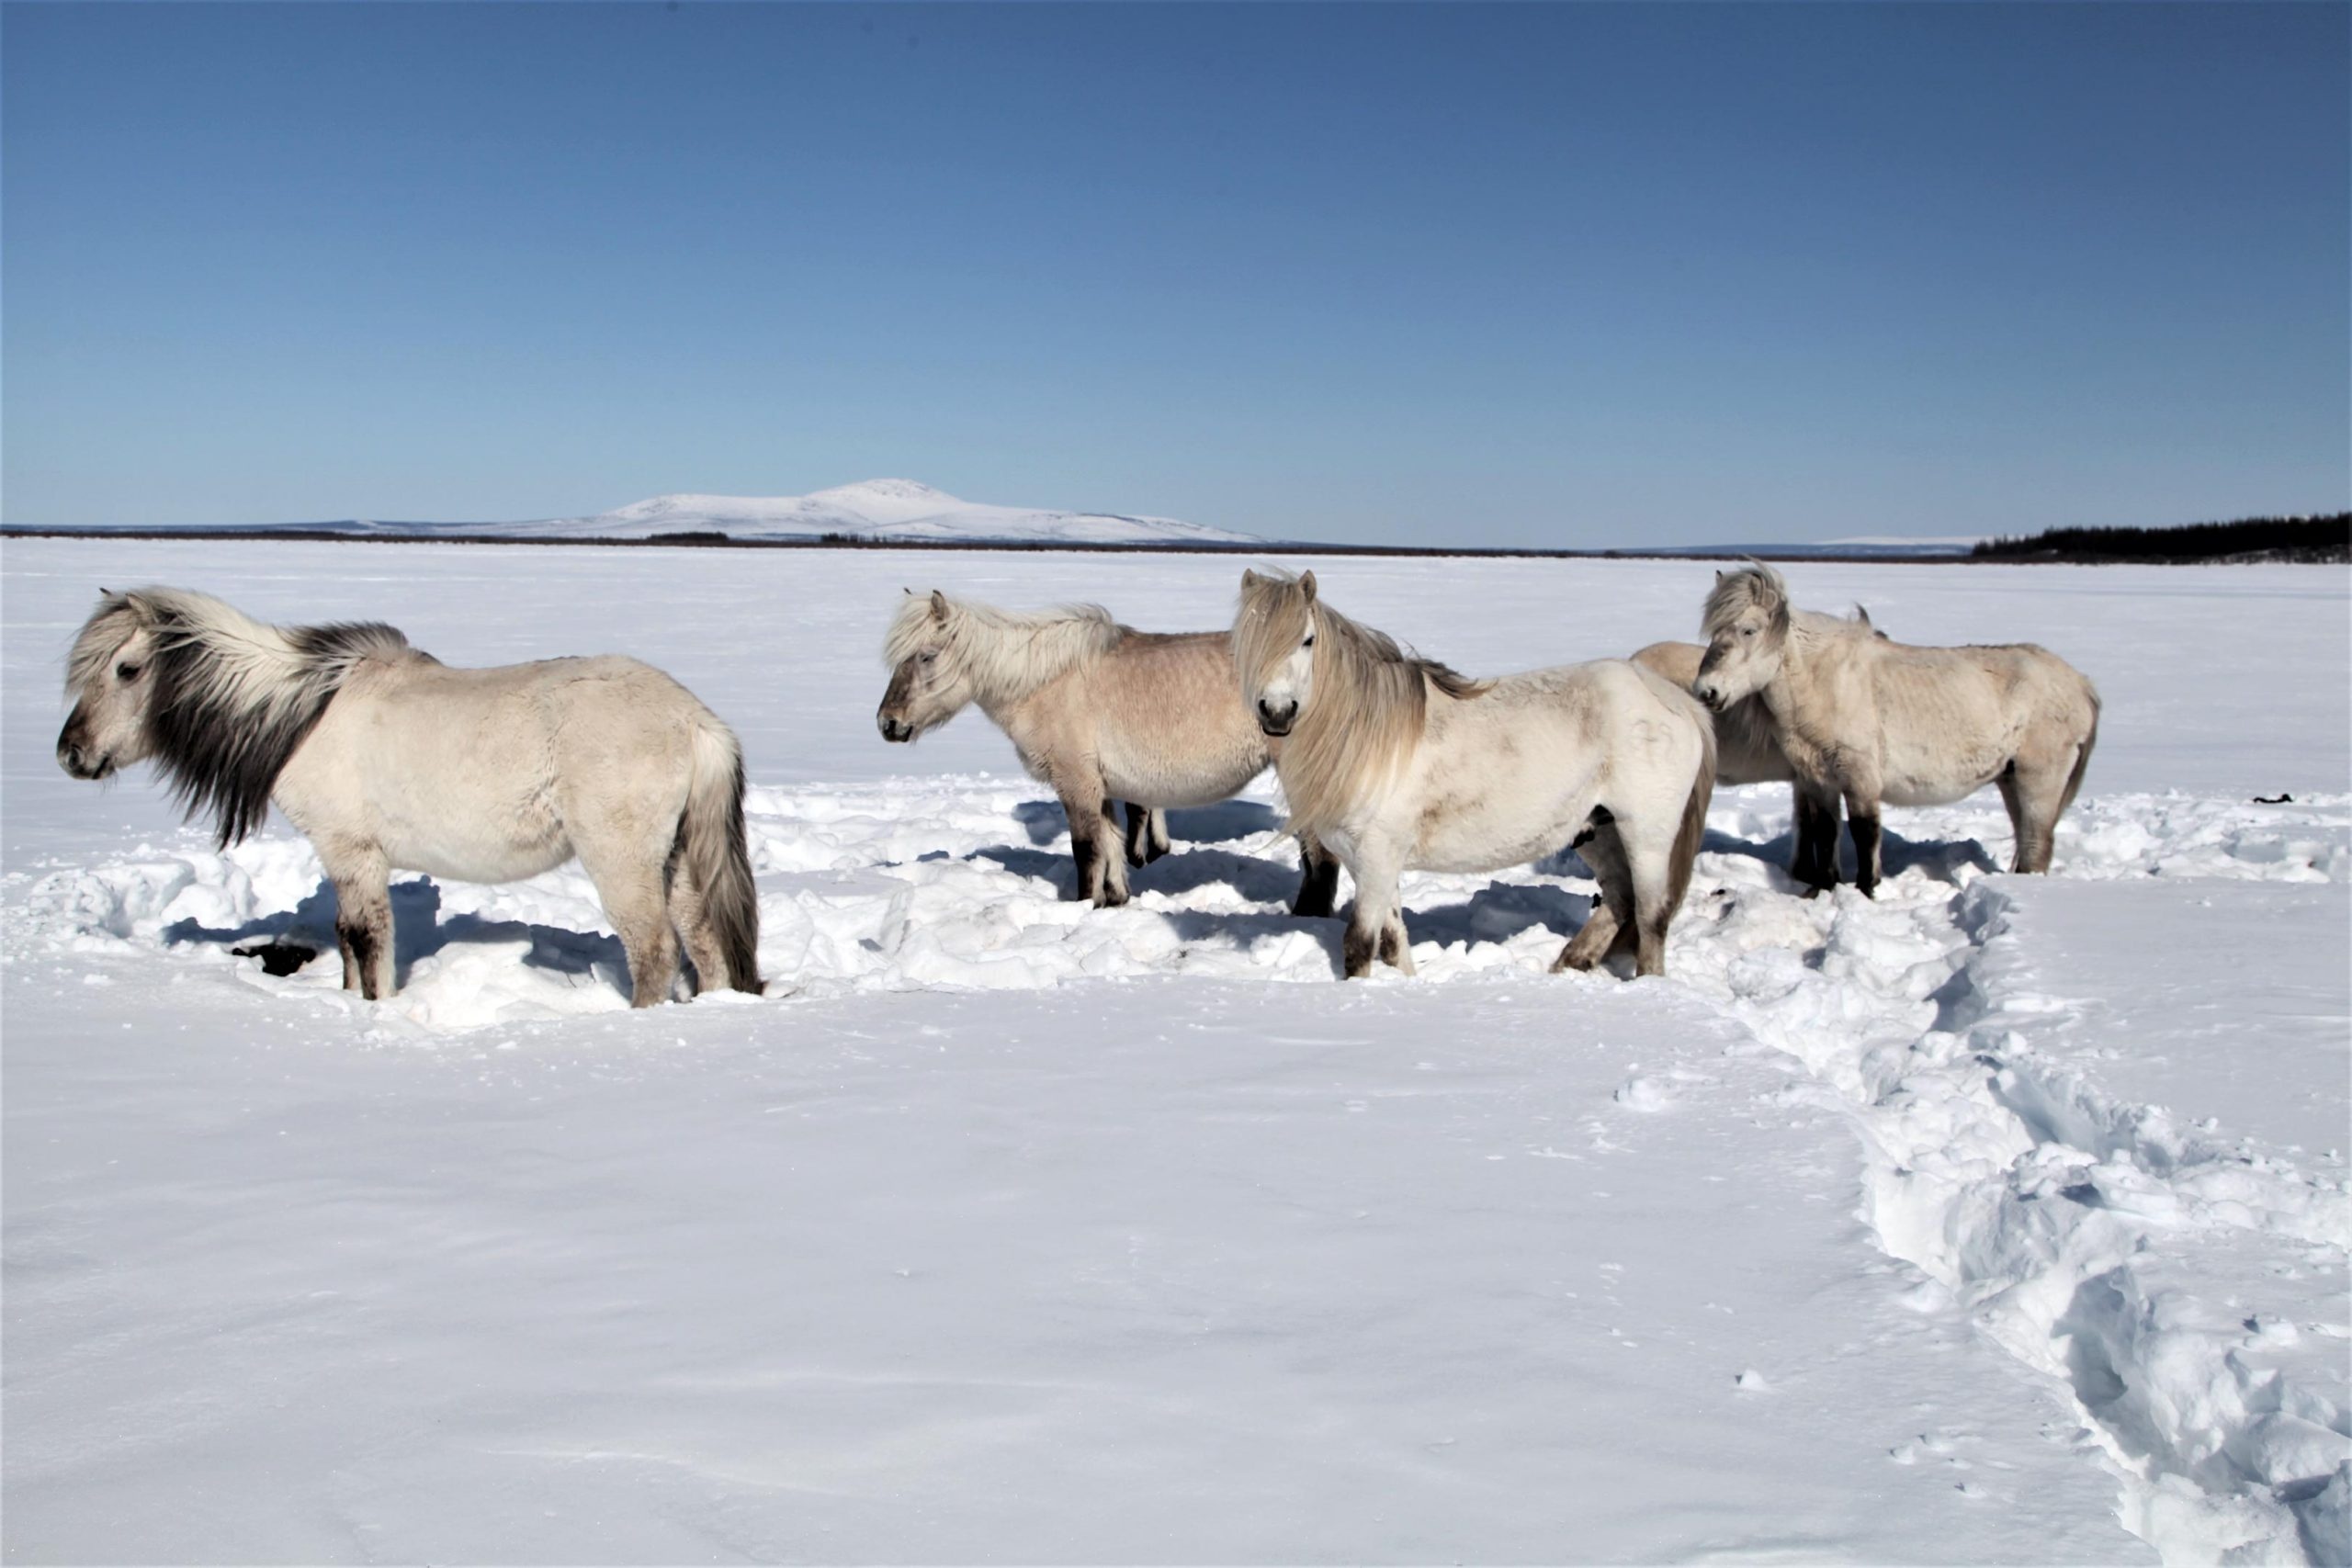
x=2033, y=794
x=1160, y=843
x=690, y=918
x=631, y=881
x=363, y=921
x=1138, y=833
x=1610, y=926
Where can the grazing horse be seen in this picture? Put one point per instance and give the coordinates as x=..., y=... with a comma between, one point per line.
x=1099, y=711
x=1748, y=750
x=387, y=759
x=1396, y=762
x=1875, y=720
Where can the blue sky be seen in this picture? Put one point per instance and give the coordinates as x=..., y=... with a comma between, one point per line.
x=1582, y=275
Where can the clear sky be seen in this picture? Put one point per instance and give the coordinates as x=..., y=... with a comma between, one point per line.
x=1588, y=275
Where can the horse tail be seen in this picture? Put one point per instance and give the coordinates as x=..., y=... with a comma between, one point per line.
x=716, y=853
x=2081, y=757
x=1693, y=831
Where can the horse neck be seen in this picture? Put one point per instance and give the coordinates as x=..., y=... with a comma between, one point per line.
x=1346, y=751
x=1008, y=662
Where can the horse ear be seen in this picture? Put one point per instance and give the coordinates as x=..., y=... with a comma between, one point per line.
x=1719, y=577
x=908, y=592
x=939, y=606
x=1306, y=585
x=1862, y=613
x=1249, y=579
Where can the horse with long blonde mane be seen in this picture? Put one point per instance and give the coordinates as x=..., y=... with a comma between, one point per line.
x=1396, y=762
x=1747, y=749
x=387, y=759
x=1100, y=712
x=1875, y=720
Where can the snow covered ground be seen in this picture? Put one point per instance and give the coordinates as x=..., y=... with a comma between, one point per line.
x=2003, y=1219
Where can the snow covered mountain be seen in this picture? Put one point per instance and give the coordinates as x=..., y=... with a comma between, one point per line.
x=875, y=509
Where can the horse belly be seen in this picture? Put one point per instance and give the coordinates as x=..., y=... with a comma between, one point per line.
x=1154, y=772
x=1485, y=832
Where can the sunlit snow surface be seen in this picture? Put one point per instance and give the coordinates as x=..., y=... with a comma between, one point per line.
x=2001, y=1219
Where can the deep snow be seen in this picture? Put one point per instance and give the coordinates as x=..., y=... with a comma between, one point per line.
x=1991, y=1221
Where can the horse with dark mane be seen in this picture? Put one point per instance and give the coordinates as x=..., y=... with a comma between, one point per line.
x=387, y=759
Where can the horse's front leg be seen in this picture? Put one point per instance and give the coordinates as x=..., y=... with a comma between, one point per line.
x=1861, y=820
x=1376, y=926
x=363, y=918
x=1815, y=863
x=1094, y=844
x=1319, y=881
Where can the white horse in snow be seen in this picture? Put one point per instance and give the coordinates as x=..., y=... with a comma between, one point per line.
x=1876, y=720
x=1395, y=763
x=388, y=759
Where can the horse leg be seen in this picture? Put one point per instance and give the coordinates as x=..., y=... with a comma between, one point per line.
x=1815, y=864
x=1114, y=866
x=1160, y=843
x=1650, y=869
x=1093, y=838
x=1396, y=947
x=1319, y=881
x=1861, y=820
x=2032, y=794
x=1610, y=926
x=1369, y=923
x=692, y=921
x=1138, y=833
x=633, y=883
x=363, y=921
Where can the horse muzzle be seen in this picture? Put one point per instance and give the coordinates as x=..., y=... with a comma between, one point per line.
x=1277, y=722
x=894, y=730
x=80, y=764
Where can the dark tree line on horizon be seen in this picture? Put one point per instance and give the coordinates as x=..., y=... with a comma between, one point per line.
x=2322, y=538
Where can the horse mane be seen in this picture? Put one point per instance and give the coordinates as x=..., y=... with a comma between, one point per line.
x=1369, y=705
x=1755, y=585
x=1006, y=654
x=232, y=697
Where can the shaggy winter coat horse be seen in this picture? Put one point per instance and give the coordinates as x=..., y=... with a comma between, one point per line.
x=1395, y=763
x=388, y=759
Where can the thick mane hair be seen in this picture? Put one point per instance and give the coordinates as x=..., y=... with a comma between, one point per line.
x=231, y=697
x=1005, y=654
x=1755, y=584
x=1369, y=703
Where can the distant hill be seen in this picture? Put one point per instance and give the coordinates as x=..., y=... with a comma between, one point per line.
x=873, y=511
x=900, y=511
x=2324, y=539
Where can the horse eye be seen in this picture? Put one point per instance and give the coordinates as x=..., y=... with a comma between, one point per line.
x=126, y=671
x=1748, y=631
x=932, y=657
x=1309, y=642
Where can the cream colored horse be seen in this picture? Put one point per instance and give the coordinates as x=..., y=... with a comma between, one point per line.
x=1748, y=750
x=1099, y=711
x=390, y=760
x=1874, y=720
x=1395, y=763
